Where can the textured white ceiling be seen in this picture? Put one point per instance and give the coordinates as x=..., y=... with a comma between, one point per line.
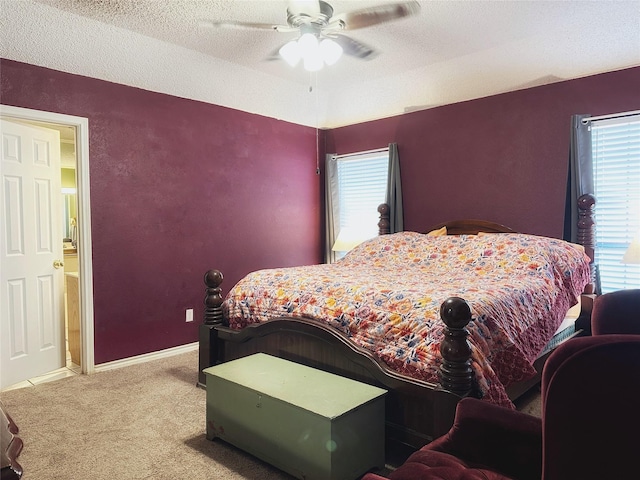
x=452, y=51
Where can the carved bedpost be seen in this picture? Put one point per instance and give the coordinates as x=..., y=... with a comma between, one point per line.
x=587, y=238
x=384, y=225
x=455, y=371
x=587, y=233
x=213, y=316
x=213, y=298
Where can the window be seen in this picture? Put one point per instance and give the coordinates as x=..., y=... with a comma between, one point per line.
x=358, y=186
x=616, y=175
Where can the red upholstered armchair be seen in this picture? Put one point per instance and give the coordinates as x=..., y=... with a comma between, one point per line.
x=616, y=312
x=589, y=428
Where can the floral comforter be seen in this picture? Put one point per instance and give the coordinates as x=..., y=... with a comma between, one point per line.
x=386, y=293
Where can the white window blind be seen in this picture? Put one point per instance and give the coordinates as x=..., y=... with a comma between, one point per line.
x=616, y=171
x=362, y=186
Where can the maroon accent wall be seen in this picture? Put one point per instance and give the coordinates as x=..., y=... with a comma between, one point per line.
x=177, y=187
x=502, y=158
x=180, y=186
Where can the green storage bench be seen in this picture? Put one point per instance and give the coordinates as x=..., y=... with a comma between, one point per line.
x=307, y=422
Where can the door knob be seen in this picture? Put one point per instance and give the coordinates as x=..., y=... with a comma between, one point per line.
x=58, y=264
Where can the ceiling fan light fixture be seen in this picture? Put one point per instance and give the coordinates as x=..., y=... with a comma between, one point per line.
x=308, y=47
x=308, y=44
x=330, y=51
x=314, y=51
x=290, y=52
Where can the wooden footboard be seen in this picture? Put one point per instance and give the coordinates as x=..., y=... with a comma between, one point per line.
x=416, y=411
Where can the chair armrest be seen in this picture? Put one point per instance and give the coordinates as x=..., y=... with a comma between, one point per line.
x=505, y=440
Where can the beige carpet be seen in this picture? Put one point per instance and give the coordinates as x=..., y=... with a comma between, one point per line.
x=530, y=402
x=139, y=422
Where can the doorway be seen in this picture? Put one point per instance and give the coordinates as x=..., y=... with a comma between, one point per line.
x=79, y=128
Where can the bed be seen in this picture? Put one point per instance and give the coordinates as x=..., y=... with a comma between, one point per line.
x=383, y=328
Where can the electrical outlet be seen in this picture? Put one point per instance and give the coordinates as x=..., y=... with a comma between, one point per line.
x=189, y=316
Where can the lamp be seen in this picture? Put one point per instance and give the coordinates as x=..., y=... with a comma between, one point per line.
x=632, y=255
x=348, y=238
x=314, y=53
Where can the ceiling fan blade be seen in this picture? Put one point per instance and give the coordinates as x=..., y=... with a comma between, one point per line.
x=274, y=55
x=367, y=17
x=247, y=26
x=354, y=48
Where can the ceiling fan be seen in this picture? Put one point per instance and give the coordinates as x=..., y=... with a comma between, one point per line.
x=320, y=41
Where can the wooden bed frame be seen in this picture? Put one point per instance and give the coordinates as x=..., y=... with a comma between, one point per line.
x=416, y=411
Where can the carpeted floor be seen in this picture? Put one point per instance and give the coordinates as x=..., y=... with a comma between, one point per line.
x=144, y=421
x=530, y=402
x=139, y=422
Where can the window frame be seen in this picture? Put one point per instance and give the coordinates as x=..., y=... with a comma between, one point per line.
x=615, y=159
x=358, y=221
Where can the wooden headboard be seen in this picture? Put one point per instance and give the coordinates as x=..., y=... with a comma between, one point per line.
x=586, y=229
x=586, y=233
x=455, y=227
x=472, y=227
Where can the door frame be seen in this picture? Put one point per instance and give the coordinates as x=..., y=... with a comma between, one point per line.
x=85, y=263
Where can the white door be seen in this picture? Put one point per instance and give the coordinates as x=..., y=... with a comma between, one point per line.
x=32, y=340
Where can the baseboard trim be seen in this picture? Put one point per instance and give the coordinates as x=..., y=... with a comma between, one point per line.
x=146, y=357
